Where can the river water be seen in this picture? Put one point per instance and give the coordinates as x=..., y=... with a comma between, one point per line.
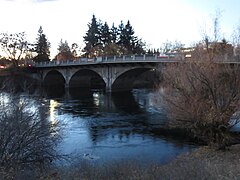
x=103, y=128
x=100, y=127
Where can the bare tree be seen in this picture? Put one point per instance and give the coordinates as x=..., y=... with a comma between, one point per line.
x=14, y=45
x=236, y=42
x=26, y=140
x=216, y=34
x=216, y=25
x=202, y=95
x=169, y=47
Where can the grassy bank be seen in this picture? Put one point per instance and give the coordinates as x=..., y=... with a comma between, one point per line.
x=203, y=163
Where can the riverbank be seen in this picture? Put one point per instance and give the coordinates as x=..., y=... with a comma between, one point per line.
x=202, y=163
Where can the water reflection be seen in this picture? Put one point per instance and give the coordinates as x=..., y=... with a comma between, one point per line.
x=126, y=102
x=108, y=126
x=52, y=108
x=57, y=91
x=120, y=125
x=96, y=98
x=86, y=102
x=52, y=114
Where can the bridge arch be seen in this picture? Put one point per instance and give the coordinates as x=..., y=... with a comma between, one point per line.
x=86, y=78
x=114, y=75
x=54, y=78
x=125, y=81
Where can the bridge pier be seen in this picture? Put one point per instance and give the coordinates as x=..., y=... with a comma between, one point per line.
x=108, y=88
x=67, y=76
x=66, y=85
x=108, y=78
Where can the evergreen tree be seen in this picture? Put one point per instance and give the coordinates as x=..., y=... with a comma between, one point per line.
x=120, y=34
x=105, y=34
x=129, y=41
x=114, y=34
x=74, y=49
x=42, y=47
x=139, y=47
x=101, y=40
x=64, y=51
x=149, y=52
x=93, y=36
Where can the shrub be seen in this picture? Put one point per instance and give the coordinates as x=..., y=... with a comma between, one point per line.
x=202, y=95
x=26, y=139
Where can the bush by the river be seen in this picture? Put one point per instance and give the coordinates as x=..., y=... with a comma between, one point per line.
x=27, y=139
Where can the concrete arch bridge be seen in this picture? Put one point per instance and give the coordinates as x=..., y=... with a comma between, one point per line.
x=111, y=73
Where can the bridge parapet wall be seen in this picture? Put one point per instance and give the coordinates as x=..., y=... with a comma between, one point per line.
x=109, y=60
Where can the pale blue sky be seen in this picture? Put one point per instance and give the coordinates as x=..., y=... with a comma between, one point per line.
x=155, y=21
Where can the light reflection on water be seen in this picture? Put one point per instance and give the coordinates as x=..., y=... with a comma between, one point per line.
x=52, y=109
x=123, y=126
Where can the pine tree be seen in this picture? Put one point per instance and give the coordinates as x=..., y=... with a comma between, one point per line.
x=114, y=34
x=128, y=40
x=64, y=51
x=42, y=47
x=101, y=40
x=139, y=47
x=93, y=36
x=74, y=49
x=105, y=34
x=120, y=34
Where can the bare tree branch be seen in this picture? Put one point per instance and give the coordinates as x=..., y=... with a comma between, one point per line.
x=203, y=95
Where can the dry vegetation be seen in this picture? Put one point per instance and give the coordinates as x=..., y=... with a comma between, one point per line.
x=202, y=94
x=27, y=141
x=203, y=163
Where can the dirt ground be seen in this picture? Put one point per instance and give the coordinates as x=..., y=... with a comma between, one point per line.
x=201, y=164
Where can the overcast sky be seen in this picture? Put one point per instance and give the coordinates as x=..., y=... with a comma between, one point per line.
x=155, y=21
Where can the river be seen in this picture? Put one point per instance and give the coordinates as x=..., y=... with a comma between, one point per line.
x=101, y=128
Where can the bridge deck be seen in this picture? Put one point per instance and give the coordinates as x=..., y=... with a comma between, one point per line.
x=117, y=60
x=107, y=60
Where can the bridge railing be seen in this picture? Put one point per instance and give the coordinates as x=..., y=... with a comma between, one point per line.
x=106, y=59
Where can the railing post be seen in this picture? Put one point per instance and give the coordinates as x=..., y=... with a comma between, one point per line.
x=144, y=57
x=133, y=57
x=124, y=58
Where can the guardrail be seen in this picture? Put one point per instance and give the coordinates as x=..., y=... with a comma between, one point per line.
x=107, y=59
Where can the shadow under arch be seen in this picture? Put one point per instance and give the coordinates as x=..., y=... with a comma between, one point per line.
x=125, y=82
x=125, y=101
x=54, y=84
x=53, y=77
x=86, y=78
